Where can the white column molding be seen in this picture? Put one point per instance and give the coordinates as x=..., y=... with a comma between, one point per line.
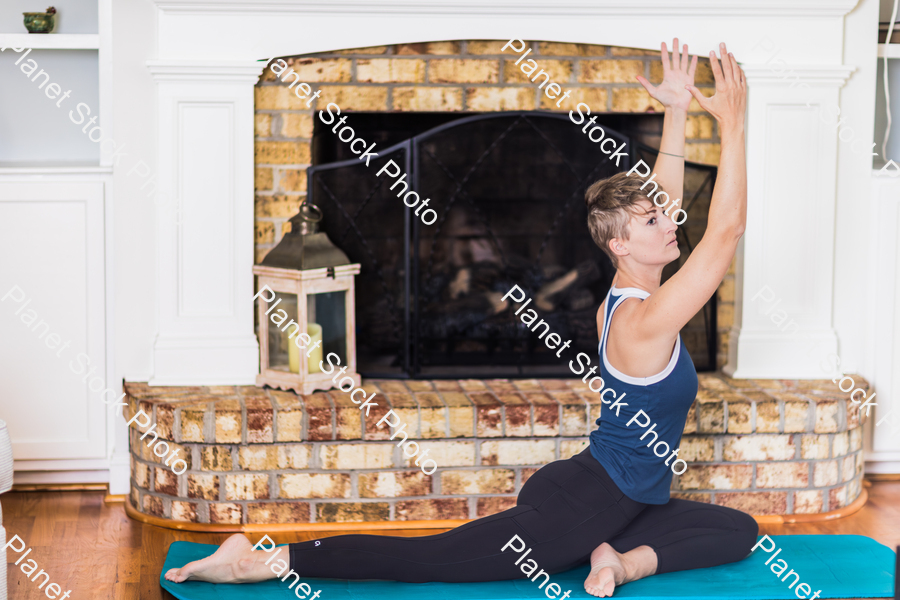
x=882, y=305
x=204, y=223
x=785, y=276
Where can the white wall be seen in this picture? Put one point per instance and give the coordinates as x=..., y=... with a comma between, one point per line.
x=134, y=43
x=35, y=128
x=134, y=268
x=854, y=204
x=864, y=245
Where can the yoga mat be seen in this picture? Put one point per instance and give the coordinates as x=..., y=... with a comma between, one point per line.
x=842, y=566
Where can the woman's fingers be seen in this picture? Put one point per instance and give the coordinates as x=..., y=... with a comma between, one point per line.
x=716, y=69
x=693, y=67
x=736, y=69
x=726, y=64
x=679, y=59
x=651, y=89
x=698, y=95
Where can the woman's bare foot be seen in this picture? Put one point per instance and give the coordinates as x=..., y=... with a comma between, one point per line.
x=234, y=562
x=609, y=568
x=607, y=571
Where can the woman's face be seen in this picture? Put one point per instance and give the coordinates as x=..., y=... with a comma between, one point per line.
x=652, y=238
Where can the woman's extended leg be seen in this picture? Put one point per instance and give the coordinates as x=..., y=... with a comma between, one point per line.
x=680, y=534
x=234, y=562
x=562, y=512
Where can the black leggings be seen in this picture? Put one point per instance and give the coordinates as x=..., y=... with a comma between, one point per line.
x=564, y=511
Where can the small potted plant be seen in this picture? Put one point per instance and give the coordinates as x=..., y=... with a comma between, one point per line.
x=40, y=22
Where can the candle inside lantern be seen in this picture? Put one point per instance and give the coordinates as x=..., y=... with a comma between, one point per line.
x=314, y=330
x=315, y=357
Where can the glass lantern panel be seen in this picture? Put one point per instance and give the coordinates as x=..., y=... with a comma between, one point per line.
x=283, y=353
x=327, y=318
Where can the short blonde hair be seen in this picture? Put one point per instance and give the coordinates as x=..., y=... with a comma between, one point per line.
x=611, y=202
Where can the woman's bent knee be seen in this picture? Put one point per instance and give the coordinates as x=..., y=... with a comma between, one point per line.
x=746, y=532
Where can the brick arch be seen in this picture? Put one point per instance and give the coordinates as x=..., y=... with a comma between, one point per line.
x=450, y=76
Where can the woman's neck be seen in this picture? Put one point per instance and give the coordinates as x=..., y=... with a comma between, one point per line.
x=647, y=281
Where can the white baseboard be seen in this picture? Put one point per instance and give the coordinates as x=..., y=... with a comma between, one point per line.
x=883, y=462
x=33, y=477
x=62, y=465
x=232, y=360
x=119, y=476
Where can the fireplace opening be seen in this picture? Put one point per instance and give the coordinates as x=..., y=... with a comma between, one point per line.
x=509, y=192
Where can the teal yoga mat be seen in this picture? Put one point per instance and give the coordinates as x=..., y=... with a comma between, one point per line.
x=842, y=566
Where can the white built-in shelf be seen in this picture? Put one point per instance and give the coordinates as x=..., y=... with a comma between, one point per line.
x=52, y=168
x=892, y=50
x=51, y=41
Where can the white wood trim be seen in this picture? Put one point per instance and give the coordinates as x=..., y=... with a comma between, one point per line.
x=117, y=432
x=62, y=464
x=813, y=75
x=238, y=71
x=104, y=74
x=567, y=8
x=892, y=50
x=51, y=41
x=14, y=171
x=883, y=462
x=92, y=442
x=68, y=475
x=792, y=197
x=882, y=305
x=801, y=30
x=205, y=255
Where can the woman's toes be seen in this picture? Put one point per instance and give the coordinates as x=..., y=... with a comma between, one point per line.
x=601, y=582
x=609, y=583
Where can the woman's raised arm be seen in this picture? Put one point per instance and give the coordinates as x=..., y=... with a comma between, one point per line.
x=670, y=307
x=672, y=93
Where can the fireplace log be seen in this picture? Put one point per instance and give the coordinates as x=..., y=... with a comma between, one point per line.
x=552, y=294
x=461, y=284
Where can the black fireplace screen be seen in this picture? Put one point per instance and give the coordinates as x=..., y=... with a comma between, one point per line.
x=508, y=189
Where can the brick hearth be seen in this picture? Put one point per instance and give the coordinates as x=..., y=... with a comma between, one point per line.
x=257, y=455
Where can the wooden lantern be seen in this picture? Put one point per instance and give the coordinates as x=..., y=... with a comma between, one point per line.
x=307, y=321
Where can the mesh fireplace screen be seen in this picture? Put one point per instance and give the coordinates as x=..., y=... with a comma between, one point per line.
x=508, y=189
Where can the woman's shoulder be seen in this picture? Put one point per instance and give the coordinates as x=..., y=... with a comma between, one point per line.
x=624, y=303
x=600, y=313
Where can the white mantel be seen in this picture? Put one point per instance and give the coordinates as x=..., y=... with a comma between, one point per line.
x=201, y=59
x=809, y=32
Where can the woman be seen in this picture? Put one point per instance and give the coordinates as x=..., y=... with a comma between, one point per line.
x=610, y=504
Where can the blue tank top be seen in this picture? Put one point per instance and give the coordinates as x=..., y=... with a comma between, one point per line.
x=666, y=397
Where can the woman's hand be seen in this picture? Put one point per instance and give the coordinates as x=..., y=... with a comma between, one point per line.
x=729, y=103
x=672, y=92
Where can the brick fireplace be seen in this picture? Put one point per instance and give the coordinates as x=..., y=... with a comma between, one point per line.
x=260, y=456
x=462, y=77
x=218, y=129
x=257, y=456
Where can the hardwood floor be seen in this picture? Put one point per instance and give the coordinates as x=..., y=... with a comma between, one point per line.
x=96, y=551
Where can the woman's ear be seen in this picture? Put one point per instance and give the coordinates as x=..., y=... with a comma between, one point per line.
x=617, y=247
